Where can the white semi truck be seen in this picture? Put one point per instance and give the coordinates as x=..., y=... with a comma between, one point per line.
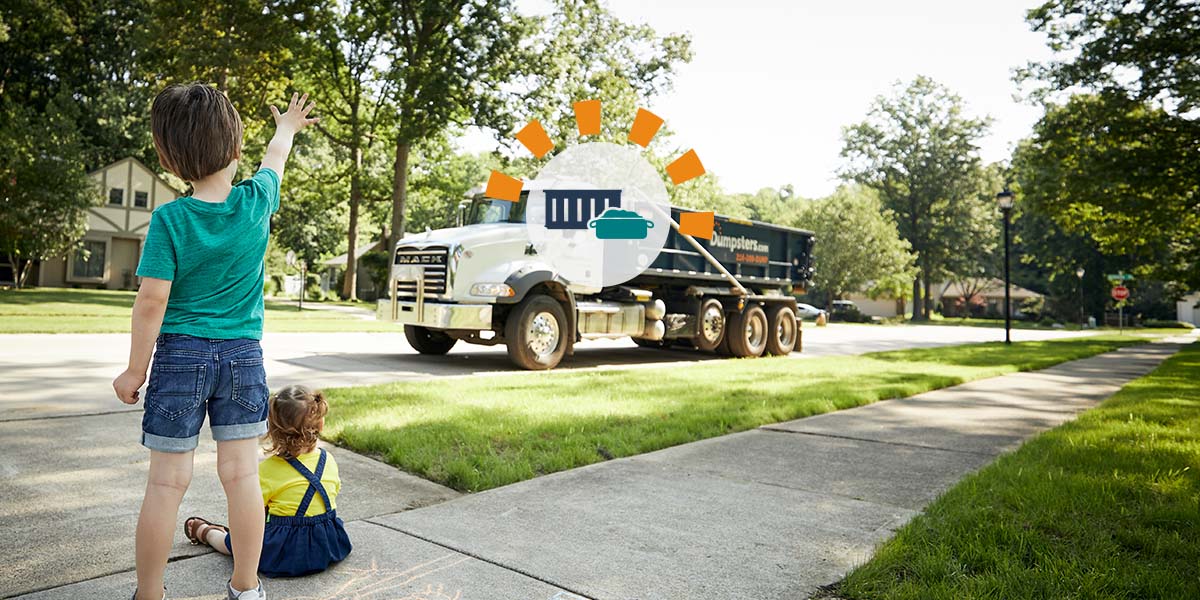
x=485, y=282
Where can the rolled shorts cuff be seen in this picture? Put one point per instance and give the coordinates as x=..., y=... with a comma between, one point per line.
x=170, y=444
x=240, y=431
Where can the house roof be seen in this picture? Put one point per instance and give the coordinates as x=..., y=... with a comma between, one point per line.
x=159, y=177
x=993, y=288
x=340, y=260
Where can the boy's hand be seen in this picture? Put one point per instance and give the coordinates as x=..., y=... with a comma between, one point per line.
x=296, y=117
x=127, y=385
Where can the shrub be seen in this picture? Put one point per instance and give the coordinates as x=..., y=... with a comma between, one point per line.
x=1158, y=323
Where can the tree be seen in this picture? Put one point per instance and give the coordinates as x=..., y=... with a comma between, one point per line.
x=243, y=47
x=1124, y=175
x=340, y=64
x=1116, y=163
x=581, y=51
x=859, y=247
x=440, y=180
x=919, y=150
x=1144, y=51
x=448, y=61
x=88, y=50
x=67, y=102
x=44, y=191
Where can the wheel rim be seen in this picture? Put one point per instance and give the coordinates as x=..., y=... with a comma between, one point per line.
x=712, y=323
x=543, y=335
x=756, y=331
x=785, y=331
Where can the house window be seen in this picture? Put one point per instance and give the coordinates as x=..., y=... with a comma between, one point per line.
x=116, y=196
x=89, y=260
x=141, y=199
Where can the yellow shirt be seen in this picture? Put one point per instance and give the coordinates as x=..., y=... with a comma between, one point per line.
x=283, y=487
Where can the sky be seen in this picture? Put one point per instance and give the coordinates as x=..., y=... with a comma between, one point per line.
x=772, y=82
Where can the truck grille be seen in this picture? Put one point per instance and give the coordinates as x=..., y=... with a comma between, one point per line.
x=435, y=263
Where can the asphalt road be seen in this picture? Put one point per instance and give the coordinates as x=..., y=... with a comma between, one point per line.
x=70, y=374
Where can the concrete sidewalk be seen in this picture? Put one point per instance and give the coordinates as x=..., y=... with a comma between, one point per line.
x=769, y=513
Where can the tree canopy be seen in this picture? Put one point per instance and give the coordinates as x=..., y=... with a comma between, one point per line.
x=858, y=246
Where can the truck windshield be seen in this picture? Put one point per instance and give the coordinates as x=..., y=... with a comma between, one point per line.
x=487, y=210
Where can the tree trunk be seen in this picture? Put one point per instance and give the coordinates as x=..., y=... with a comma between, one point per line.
x=916, y=303
x=25, y=271
x=350, y=285
x=399, y=190
x=928, y=299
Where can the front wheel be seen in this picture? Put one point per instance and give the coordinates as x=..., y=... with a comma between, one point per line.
x=782, y=329
x=428, y=341
x=710, y=325
x=536, y=333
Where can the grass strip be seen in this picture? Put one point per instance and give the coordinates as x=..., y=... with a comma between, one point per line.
x=1102, y=507
x=476, y=433
x=46, y=310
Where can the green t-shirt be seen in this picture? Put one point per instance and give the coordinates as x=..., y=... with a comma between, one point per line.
x=213, y=253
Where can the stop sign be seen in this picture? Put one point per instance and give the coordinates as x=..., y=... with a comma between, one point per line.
x=1120, y=293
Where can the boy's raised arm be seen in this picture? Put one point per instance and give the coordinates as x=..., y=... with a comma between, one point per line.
x=287, y=125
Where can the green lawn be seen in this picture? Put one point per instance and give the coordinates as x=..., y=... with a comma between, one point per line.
x=475, y=433
x=1103, y=507
x=48, y=310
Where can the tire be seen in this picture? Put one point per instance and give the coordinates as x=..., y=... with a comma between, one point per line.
x=747, y=332
x=723, y=348
x=536, y=333
x=428, y=341
x=710, y=325
x=782, y=330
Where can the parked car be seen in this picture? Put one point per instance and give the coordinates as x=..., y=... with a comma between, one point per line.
x=846, y=310
x=808, y=311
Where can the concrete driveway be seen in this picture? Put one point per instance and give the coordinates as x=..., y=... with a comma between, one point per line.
x=70, y=374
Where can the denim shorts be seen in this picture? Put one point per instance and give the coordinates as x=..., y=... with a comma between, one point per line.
x=191, y=376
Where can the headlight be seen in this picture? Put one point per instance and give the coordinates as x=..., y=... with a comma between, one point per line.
x=497, y=290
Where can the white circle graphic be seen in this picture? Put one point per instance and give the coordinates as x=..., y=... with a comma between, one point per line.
x=599, y=214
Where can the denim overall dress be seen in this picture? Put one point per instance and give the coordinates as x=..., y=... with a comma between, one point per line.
x=301, y=545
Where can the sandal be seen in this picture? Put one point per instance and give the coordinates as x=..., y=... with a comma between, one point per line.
x=197, y=533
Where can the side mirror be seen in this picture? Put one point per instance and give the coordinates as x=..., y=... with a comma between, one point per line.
x=462, y=213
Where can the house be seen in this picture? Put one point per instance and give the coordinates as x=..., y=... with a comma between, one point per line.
x=1187, y=309
x=116, y=230
x=884, y=306
x=988, y=297
x=336, y=265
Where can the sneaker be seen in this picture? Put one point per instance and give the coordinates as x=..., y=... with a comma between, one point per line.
x=254, y=594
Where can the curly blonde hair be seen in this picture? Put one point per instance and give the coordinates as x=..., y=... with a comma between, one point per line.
x=295, y=419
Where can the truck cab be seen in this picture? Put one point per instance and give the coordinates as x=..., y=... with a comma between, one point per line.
x=485, y=282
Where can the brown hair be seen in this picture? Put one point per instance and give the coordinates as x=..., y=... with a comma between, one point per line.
x=294, y=420
x=197, y=132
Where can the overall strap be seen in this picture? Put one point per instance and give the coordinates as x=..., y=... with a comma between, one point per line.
x=314, y=484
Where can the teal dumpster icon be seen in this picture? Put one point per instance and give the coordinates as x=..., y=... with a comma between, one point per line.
x=618, y=224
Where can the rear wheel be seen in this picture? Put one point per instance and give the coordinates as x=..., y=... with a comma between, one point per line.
x=747, y=332
x=536, y=333
x=428, y=341
x=782, y=329
x=710, y=325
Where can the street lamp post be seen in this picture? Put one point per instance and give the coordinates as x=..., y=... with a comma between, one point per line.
x=1082, y=316
x=1005, y=201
